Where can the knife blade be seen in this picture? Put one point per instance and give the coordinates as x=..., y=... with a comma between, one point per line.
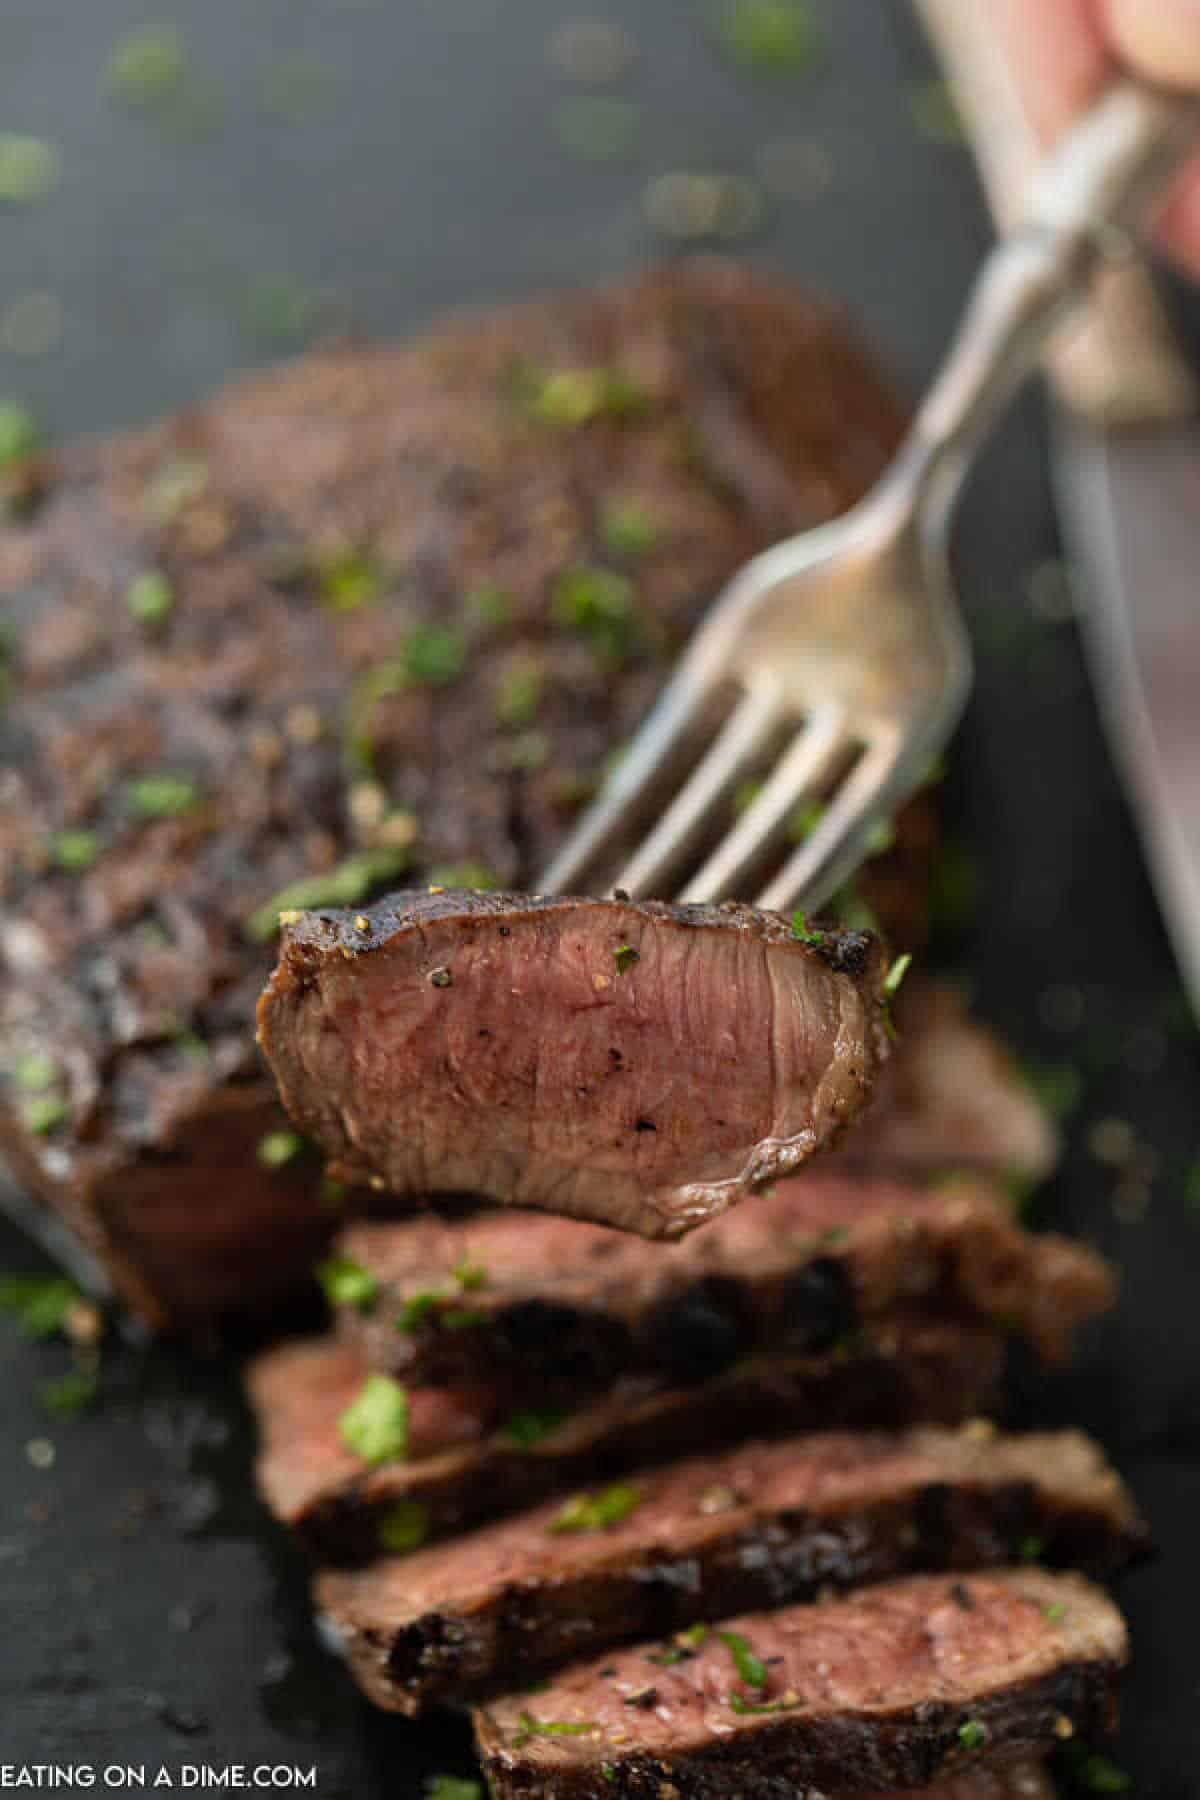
x=1129, y=507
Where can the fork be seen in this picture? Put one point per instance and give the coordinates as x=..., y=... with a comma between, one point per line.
x=837, y=660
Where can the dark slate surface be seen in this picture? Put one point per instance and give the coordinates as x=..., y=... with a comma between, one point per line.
x=152, y=1616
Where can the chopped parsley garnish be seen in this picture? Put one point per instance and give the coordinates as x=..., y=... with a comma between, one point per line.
x=972, y=1734
x=403, y=1527
x=69, y=1394
x=347, y=1283
x=804, y=933
x=150, y=598
x=628, y=529
x=29, y=168
x=625, y=956
x=74, y=851
x=593, y=1512
x=768, y=37
x=44, y=1113
x=147, y=67
x=750, y=1669
x=19, y=435
x=38, y=1304
x=416, y=1307
x=896, y=973
x=346, y=885
x=683, y=1647
x=529, y=1428
x=573, y=397
x=434, y=655
x=375, y=1425
x=453, y=1787
x=348, y=582
x=1054, y=1611
x=529, y=1727
x=469, y=1275
x=519, y=695
x=608, y=1771
x=598, y=605
x=475, y=875
x=1095, y=1774
x=278, y=1148
x=747, y=1707
x=804, y=820
x=488, y=604
x=34, y=1072
x=163, y=796
x=177, y=482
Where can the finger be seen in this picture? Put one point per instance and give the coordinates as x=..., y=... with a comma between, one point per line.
x=1178, y=222
x=1057, y=55
x=1158, y=38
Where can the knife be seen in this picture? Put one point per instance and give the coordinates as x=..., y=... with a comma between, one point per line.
x=1125, y=439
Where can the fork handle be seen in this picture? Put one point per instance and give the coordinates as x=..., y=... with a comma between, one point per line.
x=1092, y=187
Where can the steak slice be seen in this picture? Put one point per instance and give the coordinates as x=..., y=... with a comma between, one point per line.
x=373, y=653
x=763, y=1525
x=474, y=1456
x=897, y=1685
x=634, y=1063
x=553, y=1305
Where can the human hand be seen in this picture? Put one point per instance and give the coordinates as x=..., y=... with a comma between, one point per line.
x=1064, y=51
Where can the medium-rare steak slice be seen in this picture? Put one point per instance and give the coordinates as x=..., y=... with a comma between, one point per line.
x=378, y=611
x=554, y=1305
x=896, y=1685
x=764, y=1525
x=634, y=1063
x=950, y=1097
x=474, y=1456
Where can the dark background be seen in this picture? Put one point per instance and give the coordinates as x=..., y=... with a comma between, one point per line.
x=338, y=164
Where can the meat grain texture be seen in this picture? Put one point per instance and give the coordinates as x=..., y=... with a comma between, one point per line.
x=635, y=1063
x=899, y=1685
x=390, y=628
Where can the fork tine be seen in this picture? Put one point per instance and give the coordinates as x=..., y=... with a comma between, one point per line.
x=830, y=855
x=742, y=739
x=606, y=822
x=807, y=762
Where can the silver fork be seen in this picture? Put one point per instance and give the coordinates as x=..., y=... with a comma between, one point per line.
x=844, y=646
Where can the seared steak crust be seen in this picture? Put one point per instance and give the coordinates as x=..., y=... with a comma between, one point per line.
x=635, y=1063
x=374, y=639
x=897, y=1685
x=466, y=1463
x=556, y=1306
x=764, y=1525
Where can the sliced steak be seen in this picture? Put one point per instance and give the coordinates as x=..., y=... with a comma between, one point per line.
x=553, y=1305
x=475, y=1456
x=639, y=1064
x=897, y=1685
x=389, y=626
x=950, y=1097
x=764, y=1525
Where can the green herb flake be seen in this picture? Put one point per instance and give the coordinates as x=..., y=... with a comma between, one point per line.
x=403, y=1527
x=44, y=1114
x=1054, y=1611
x=34, y=1072
x=608, y=1771
x=469, y=1275
x=147, y=67
x=598, y=605
x=1095, y=1774
x=529, y=1428
x=150, y=597
x=347, y=1283
x=596, y=127
x=625, y=956
x=804, y=933
x=934, y=113
x=163, y=796
x=278, y=1148
x=896, y=973
x=1030, y=1549
x=683, y=1646
x=346, y=885
x=176, y=483
x=488, y=605
x=434, y=655
x=529, y=1727
x=19, y=435
x=74, y=851
x=462, y=1319
x=474, y=875
x=749, y=1668
x=375, y=1425
x=38, y=1305
x=347, y=582
x=519, y=695
x=748, y=1708
x=627, y=529
x=972, y=1734
x=768, y=37
x=804, y=820
x=70, y=1394
x=29, y=168
x=593, y=1512
x=568, y=398
x=416, y=1308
